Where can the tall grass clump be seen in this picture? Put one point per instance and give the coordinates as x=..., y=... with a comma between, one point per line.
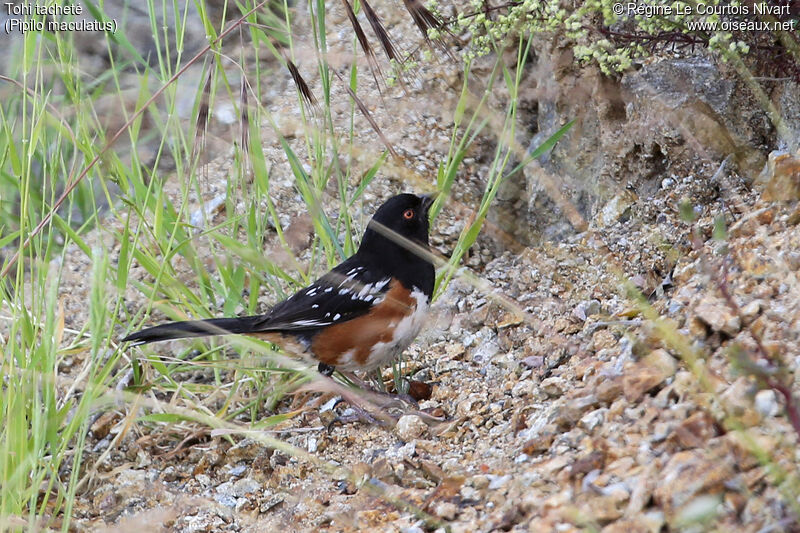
x=46, y=135
x=77, y=195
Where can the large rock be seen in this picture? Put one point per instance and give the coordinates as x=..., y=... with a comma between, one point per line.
x=632, y=133
x=688, y=475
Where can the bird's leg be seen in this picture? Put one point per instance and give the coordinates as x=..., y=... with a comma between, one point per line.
x=359, y=415
x=379, y=389
x=382, y=399
x=377, y=379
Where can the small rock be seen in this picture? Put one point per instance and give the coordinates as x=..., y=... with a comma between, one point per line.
x=523, y=388
x=750, y=311
x=554, y=386
x=446, y=510
x=419, y=390
x=225, y=488
x=246, y=486
x=496, y=482
x=718, y=315
x=538, y=444
x=766, y=403
x=566, y=416
x=686, y=476
x=533, y=361
x=662, y=360
x=330, y=404
x=609, y=390
x=629, y=525
x=781, y=177
x=737, y=399
x=603, y=339
x=592, y=419
x=410, y=427
x=644, y=376
x=604, y=508
x=695, y=431
x=238, y=470
x=586, y=309
x=468, y=407
x=226, y=500
x=697, y=510
x=480, y=481
x=615, y=208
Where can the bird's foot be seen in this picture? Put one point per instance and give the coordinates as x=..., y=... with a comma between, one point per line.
x=356, y=414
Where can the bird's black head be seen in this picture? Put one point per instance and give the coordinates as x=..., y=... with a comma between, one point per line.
x=400, y=219
x=404, y=216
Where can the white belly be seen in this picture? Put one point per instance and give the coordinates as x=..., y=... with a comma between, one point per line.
x=405, y=331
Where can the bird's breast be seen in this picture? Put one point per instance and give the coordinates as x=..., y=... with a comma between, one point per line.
x=377, y=337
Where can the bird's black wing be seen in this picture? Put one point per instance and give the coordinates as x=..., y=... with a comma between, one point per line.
x=346, y=292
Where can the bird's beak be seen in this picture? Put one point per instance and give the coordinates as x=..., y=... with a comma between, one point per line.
x=427, y=201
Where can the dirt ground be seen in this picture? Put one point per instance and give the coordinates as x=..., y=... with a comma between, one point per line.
x=578, y=413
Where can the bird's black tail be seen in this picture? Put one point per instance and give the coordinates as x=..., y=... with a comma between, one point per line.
x=195, y=328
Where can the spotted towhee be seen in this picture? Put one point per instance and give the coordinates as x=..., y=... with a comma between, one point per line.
x=360, y=315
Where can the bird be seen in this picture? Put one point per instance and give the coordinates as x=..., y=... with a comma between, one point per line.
x=359, y=316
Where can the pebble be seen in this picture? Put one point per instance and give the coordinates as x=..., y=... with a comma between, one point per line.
x=766, y=403
x=533, y=361
x=225, y=488
x=226, y=500
x=523, y=388
x=586, y=309
x=609, y=389
x=554, y=386
x=410, y=427
x=480, y=481
x=245, y=486
x=718, y=315
x=750, y=311
x=446, y=510
x=592, y=419
x=238, y=470
x=496, y=482
x=688, y=475
x=640, y=378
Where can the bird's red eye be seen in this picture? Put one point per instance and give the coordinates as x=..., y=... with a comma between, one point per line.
x=408, y=214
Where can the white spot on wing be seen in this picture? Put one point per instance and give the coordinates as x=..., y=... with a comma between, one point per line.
x=308, y=323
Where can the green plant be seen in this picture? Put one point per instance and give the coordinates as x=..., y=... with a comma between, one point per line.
x=611, y=35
